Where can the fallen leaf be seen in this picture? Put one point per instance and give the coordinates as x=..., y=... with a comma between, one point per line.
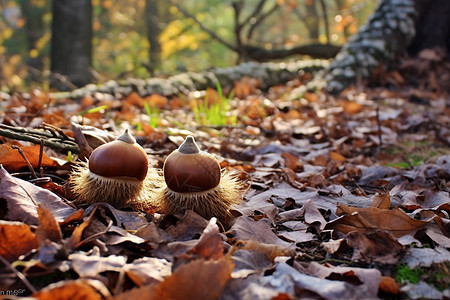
x=139, y=293
x=148, y=270
x=13, y=161
x=375, y=246
x=389, y=285
x=210, y=244
x=16, y=239
x=421, y=290
x=369, y=277
x=292, y=162
x=395, y=221
x=425, y=257
x=337, y=156
x=48, y=229
x=246, y=228
x=22, y=199
x=382, y=201
x=93, y=264
x=68, y=289
x=198, y=279
x=288, y=280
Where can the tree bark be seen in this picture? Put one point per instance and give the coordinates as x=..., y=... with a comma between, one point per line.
x=71, y=48
x=153, y=31
x=395, y=27
x=432, y=26
x=34, y=31
x=387, y=33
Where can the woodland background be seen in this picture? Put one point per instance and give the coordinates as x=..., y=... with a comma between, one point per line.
x=184, y=35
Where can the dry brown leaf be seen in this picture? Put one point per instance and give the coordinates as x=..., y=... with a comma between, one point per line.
x=351, y=107
x=13, y=161
x=337, y=156
x=292, y=162
x=16, y=239
x=140, y=293
x=270, y=250
x=321, y=160
x=382, y=201
x=210, y=244
x=375, y=246
x=22, y=198
x=198, y=279
x=157, y=101
x=333, y=246
x=74, y=290
x=77, y=234
x=47, y=229
x=389, y=285
x=395, y=221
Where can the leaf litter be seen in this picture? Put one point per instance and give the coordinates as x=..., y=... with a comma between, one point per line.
x=341, y=192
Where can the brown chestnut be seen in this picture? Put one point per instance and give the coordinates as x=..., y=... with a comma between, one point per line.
x=195, y=181
x=120, y=158
x=188, y=169
x=117, y=173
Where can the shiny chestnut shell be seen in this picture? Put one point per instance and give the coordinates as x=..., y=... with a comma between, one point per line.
x=188, y=169
x=120, y=158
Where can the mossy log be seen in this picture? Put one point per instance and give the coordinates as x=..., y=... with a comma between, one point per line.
x=269, y=74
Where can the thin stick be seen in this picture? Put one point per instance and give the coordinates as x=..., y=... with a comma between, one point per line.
x=380, y=141
x=26, y=159
x=41, y=153
x=19, y=275
x=91, y=237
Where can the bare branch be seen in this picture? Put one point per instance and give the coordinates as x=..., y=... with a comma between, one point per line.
x=261, y=19
x=204, y=28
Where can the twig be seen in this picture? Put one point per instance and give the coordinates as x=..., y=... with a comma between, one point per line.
x=35, y=136
x=380, y=141
x=26, y=160
x=19, y=275
x=25, y=190
x=41, y=153
x=89, y=238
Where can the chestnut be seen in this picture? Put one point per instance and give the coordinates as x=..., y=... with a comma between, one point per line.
x=195, y=181
x=188, y=170
x=117, y=173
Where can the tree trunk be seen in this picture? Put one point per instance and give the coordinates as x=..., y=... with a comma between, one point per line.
x=432, y=26
x=71, y=48
x=153, y=31
x=396, y=26
x=34, y=31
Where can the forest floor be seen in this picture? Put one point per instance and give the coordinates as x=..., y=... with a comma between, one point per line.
x=347, y=197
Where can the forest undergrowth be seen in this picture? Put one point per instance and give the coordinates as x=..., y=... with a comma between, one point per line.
x=347, y=196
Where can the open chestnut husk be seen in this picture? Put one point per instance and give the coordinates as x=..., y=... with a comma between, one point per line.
x=116, y=173
x=195, y=181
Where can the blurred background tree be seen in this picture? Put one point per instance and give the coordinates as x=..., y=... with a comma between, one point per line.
x=144, y=38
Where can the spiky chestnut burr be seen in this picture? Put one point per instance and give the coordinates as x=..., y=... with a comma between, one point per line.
x=195, y=181
x=116, y=173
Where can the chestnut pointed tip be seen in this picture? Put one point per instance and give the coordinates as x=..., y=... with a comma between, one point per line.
x=126, y=137
x=189, y=146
